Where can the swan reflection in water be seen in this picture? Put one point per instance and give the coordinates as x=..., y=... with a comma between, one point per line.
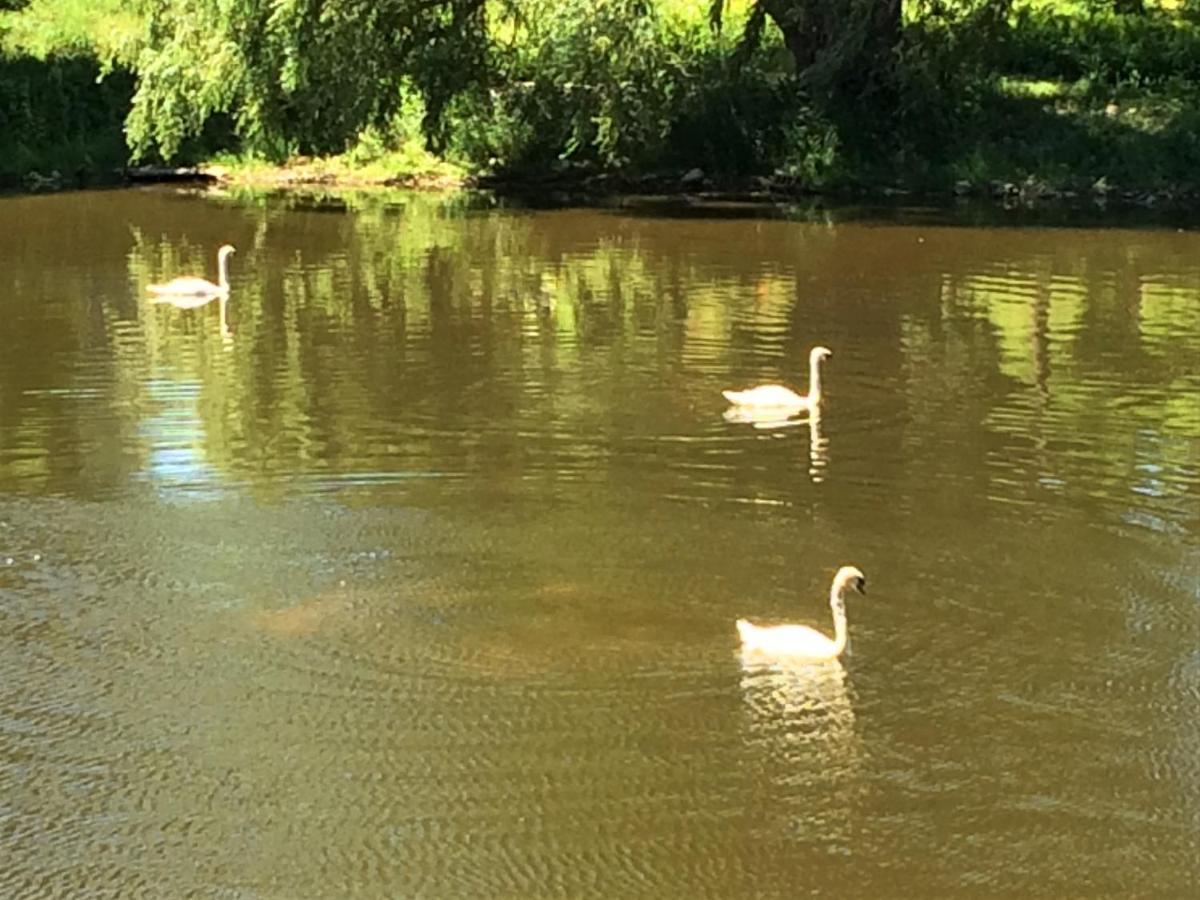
x=801, y=730
x=195, y=301
x=770, y=420
x=192, y=292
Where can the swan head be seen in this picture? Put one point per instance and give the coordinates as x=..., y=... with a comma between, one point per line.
x=819, y=354
x=849, y=576
x=225, y=251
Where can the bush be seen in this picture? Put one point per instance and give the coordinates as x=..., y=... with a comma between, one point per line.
x=579, y=82
x=55, y=115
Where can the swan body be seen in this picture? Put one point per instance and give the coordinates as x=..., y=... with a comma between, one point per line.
x=193, y=287
x=784, y=400
x=800, y=641
x=766, y=395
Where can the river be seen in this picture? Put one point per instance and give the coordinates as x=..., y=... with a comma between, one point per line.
x=412, y=570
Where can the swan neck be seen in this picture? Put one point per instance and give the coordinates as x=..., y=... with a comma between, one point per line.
x=222, y=271
x=814, y=378
x=840, y=634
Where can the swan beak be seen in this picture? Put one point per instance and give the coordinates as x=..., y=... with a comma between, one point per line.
x=862, y=586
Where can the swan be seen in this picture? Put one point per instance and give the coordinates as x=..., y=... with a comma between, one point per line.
x=800, y=641
x=776, y=397
x=190, y=286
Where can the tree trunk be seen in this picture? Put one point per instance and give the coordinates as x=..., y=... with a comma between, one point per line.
x=794, y=19
x=841, y=36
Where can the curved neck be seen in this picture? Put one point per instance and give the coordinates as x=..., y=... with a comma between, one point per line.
x=814, y=379
x=839, y=620
x=222, y=274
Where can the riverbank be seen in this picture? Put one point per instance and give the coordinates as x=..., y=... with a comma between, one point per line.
x=1029, y=141
x=580, y=185
x=565, y=188
x=411, y=166
x=1038, y=144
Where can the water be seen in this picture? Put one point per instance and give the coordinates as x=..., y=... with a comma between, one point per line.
x=413, y=571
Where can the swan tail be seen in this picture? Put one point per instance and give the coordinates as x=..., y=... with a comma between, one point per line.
x=745, y=631
x=734, y=397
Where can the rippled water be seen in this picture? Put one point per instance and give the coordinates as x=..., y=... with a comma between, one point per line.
x=412, y=571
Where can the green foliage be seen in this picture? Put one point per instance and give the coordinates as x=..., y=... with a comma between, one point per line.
x=1147, y=139
x=627, y=85
x=296, y=76
x=813, y=153
x=55, y=116
x=109, y=31
x=823, y=91
x=739, y=116
x=1101, y=46
x=943, y=81
x=583, y=81
x=969, y=101
x=402, y=130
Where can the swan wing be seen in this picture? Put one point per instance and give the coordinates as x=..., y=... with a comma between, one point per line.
x=187, y=286
x=766, y=395
x=786, y=640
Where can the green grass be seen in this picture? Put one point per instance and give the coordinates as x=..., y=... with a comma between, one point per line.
x=1073, y=134
x=368, y=162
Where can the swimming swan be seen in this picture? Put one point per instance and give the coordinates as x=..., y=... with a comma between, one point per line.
x=778, y=397
x=800, y=641
x=190, y=286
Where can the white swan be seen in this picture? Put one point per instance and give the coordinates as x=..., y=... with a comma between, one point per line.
x=800, y=641
x=785, y=401
x=190, y=286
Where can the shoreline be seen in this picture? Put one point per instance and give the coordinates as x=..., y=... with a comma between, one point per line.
x=565, y=188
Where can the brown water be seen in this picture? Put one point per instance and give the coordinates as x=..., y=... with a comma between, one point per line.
x=416, y=573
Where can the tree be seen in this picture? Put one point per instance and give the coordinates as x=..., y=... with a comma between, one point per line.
x=838, y=46
x=296, y=75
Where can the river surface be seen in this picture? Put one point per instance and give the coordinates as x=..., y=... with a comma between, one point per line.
x=412, y=570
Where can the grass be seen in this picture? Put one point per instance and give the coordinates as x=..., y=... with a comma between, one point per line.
x=1071, y=135
x=369, y=162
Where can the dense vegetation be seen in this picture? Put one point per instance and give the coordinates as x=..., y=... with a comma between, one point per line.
x=822, y=92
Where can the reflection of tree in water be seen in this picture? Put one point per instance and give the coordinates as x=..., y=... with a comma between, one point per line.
x=1067, y=361
x=359, y=323
x=381, y=330
x=800, y=725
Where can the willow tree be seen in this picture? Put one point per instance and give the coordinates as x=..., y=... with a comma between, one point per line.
x=296, y=75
